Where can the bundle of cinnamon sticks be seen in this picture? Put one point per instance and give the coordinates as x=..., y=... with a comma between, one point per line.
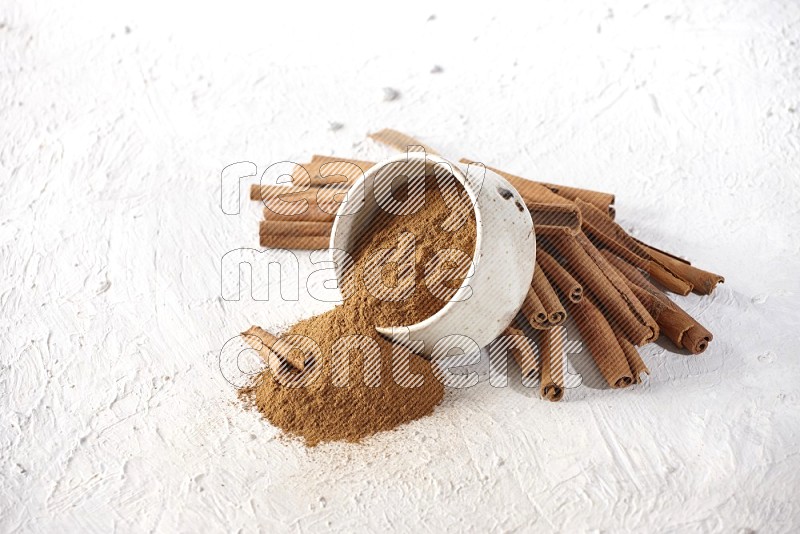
x=587, y=267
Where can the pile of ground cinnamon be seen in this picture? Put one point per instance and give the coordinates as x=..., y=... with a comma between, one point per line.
x=331, y=400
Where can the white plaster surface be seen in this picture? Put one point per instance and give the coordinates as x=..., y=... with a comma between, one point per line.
x=116, y=121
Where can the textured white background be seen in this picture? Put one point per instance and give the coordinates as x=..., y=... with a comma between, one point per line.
x=116, y=122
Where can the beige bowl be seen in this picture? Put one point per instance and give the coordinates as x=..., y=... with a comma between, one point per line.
x=504, y=259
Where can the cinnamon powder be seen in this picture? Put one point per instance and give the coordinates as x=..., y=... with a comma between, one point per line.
x=350, y=394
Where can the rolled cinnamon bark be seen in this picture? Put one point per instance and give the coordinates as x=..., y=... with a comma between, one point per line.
x=671, y=255
x=602, y=344
x=551, y=348
x=635, y=361
x=312, y=214
x=524, y=351
x=569, y=287
x=299, y=228
x=696, y=339
x=668, y=279
x=617, y=308
x=703, y=282
x=618, y=281
x=338, y=172
x=267, y=192
x=533, y=310
x=274, y=363
x=608, y=234
x=289, y=200
x=601, y=240
x=630, y=272
x=295, y=358
x=677, y=325
x=547, y=296
x=606, y=238
x=603, y=201
x=269, y=240
x=598, y=221
x=398, y=140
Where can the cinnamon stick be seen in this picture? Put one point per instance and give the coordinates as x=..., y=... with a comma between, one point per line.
x=696, y=339
x=523, y=350
x=630, y=272
x=337, y=171
x=551, y=348
x=635, y=361
x=610, y=235
x=598, y=221
x=299, y=228
x=547, y=296
x=312, y=214
x=602, y=201
x=668, y=279
x=295, y=358
x=533, y=310
x=703, y=282
x=266, y=192
x=671, y=255
x=616, y=307
x=602, y=343
x=398, y=140
x=619, y=283
x=677, y=325
x=270, y=240
x=564, y=282
x=290, y=200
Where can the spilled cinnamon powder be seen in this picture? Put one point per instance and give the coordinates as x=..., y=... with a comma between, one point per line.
x=358, y=383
